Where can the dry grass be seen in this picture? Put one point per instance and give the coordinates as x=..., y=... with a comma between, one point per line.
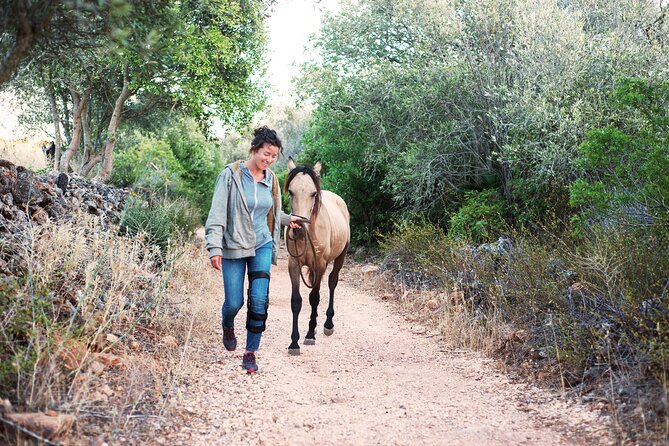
x=589, y=319
x=458, y=323
x=89, y=295
x=24, y=152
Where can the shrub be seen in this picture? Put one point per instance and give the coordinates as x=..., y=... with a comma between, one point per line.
x=159, y=224
x=481, y=217
x=150, y=167
x=200, y=161
x=593, y=307
x=181, y=163
x=626, y=164
x=415, y=253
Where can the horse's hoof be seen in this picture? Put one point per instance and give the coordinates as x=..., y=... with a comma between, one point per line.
x=294, y=351
x=309, y=341
x=328, y=331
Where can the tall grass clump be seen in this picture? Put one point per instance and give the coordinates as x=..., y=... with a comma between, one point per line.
x=156, y=224
x=590, y=315
x=420, y=256
x=84, y=291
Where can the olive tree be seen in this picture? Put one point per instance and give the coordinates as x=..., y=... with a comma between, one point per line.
x=442, y=97
x=202, y=57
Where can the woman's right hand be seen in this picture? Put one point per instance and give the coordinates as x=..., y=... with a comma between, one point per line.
x=216, y=262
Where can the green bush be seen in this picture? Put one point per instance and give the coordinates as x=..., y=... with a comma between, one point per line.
x=200, y=161
x=159, y=224
x=481, y=217
x=150, y=166
x=625, y=165
x=180, y=164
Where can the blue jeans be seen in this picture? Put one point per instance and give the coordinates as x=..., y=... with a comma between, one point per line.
x=234, y=272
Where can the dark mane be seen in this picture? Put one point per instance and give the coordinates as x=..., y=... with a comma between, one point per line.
x=317, y=182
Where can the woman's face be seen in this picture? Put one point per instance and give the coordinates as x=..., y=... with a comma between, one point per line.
x=265, y=155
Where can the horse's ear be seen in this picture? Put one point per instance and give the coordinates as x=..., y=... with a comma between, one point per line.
x=291, y=163
x=317, y=168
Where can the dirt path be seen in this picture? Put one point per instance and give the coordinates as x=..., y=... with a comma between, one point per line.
x=376, y=381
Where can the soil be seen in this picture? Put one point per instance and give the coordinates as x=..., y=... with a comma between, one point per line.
x=380, y=379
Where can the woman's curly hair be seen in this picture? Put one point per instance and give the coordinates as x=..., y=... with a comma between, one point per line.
x=263, y=135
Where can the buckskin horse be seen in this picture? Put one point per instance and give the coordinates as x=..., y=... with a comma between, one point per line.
x=324, y=236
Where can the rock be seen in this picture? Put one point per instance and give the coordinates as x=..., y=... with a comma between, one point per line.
x=47, y=426
x=455, y=297
x=25, y=189
x=170, y=342
x=62, y=181
x=517, y=336
x=432, y=304
x=40, y=216
x=111, y=339
x=107, y=390
x=369, y=270
x=6, y=406
x=72, y=354
x=7, y=177
x=96, y=368
x=109, y=360
x=8, y=199
x=135, y=346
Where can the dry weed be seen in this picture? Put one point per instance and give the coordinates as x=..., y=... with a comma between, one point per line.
x=460, y=324
x=97, y=329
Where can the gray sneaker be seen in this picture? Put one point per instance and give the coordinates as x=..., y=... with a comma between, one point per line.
x=249, y=362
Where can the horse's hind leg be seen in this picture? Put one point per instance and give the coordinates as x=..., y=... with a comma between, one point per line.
x=333, y=279
x=314, y=299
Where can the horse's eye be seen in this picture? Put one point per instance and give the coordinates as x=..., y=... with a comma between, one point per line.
x=313, y=195
x=290, y=192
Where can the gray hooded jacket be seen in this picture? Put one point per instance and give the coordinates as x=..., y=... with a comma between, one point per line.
x=229, y=227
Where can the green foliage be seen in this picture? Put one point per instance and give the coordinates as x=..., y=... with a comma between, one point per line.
x=471, y=90
x=281, y=178
x=481, y=217
x=200, y=162
x=149, y=166
x=346, y=173
x=202, y=58
x=159, y=224
x=626, y=164
x=601, y=301
x=182, y=163
x=417, y=253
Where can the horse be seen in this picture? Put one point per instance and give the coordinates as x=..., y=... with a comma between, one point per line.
x=323, y=237
x=49, y=152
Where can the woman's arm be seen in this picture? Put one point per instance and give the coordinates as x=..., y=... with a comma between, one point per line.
x=218, y=215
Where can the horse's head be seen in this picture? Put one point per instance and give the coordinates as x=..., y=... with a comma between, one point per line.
x=303, y=186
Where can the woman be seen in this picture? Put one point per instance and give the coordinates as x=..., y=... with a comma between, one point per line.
x=242, y=232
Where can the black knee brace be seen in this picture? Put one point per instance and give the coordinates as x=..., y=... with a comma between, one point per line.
x=250, y=314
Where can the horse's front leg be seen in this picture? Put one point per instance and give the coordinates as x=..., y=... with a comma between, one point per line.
x=333, y=280
x=314, y=299
x=295, y=304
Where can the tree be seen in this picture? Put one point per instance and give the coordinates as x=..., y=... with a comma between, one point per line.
x=443, y=97
x=200, y=56
x=626, y=163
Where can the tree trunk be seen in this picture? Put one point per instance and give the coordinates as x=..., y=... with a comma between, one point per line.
x=65, y=119
x=28, y=28
x=78, y=106
x=108, y=146
x=88, y=147
x=56, y=124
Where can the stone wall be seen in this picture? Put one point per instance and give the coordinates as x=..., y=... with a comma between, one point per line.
x=29, y=199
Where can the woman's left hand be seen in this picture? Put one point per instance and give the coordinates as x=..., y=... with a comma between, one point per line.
x=295, y=222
